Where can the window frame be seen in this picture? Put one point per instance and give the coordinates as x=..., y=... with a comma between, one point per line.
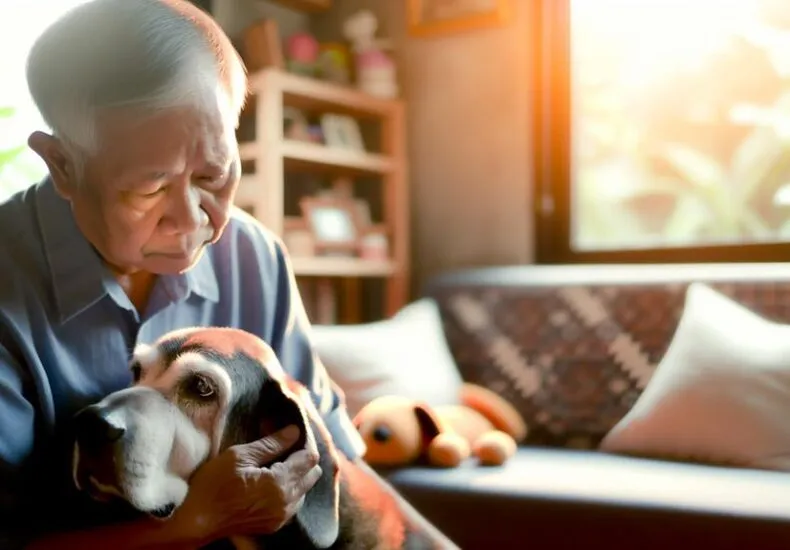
x=552, y=166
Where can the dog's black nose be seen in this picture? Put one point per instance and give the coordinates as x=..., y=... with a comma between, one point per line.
x=94, y=428
x=164, y=512
x=382, y=434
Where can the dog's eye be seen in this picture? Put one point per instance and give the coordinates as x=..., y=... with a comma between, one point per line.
x=200, y=387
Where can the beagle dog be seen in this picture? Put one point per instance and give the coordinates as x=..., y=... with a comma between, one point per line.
x=198, y=391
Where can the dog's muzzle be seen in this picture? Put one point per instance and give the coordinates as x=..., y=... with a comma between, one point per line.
x=96, y=435
x=123, y=448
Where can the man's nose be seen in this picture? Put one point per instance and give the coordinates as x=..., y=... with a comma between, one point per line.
x=95, y=427
x=186, y=214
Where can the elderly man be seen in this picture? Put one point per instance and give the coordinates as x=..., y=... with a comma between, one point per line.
x=133, y=234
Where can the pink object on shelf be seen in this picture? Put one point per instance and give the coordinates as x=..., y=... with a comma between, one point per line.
x=302, y=47
x=373, y=59
x=375, y=247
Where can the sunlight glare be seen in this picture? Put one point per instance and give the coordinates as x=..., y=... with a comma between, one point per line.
x=660, y=35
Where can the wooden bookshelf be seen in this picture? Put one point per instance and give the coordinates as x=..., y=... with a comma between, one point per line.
x=273, y=156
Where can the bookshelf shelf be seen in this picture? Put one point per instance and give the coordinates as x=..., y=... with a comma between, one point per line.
x=341, y=267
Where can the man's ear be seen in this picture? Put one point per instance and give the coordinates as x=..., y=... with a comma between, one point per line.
x=318, y=518
x=60, y=166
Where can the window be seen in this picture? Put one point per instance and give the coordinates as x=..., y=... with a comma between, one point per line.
x=21, y=21
x=663, y=131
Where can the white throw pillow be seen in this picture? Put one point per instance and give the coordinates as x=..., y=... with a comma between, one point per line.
x=405, y=355
x=721, y=394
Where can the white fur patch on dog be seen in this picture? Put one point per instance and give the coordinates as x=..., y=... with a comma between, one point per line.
x=150, y=359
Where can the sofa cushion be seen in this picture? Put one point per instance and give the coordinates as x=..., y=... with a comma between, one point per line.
x=720, y=394
x=564, y=496
x=406, y=355
x=573, y=346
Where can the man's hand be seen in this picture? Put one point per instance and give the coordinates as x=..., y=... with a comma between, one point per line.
x=234, y=494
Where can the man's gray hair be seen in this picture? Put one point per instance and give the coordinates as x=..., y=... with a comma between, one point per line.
x=148, y=55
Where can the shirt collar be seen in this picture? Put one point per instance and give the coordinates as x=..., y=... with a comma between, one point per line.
x=202, y=279
x=79, y=277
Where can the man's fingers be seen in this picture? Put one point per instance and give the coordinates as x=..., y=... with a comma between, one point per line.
x=301, y=462
x=268, y=448
x=311, y=478
x=302, y=484
x=295, y=484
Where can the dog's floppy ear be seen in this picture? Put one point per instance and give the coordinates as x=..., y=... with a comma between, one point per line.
x=318, y=518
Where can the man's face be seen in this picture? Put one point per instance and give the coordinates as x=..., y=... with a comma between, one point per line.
x=159, y=189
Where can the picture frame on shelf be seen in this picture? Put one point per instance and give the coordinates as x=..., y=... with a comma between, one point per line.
x=342, y=132
x=342, y=189
x=334, y=223
x=427, y=18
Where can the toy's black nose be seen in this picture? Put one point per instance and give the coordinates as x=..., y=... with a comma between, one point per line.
x=94, y=428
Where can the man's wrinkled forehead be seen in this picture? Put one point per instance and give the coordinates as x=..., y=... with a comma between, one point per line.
x=187, y=133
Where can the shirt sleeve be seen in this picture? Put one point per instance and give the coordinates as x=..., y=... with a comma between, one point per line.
x=16, y=448
x=292, y=343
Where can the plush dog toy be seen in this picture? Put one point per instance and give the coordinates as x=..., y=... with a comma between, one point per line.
x=400, y=431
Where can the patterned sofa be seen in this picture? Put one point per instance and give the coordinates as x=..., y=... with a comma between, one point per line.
x=573, y=347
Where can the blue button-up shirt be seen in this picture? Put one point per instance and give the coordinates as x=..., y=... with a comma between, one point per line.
x=67, y=329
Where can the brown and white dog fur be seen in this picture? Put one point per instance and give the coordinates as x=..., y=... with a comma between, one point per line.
x=198, y=391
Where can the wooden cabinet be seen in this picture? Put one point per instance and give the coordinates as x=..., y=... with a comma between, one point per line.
x=262, y=188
